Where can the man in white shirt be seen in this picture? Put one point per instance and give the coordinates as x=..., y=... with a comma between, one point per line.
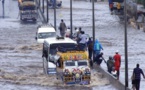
x=68, y=32
x=75, y=35
x=83, y=40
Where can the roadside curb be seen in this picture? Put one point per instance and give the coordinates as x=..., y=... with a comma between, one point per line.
x=116, y=83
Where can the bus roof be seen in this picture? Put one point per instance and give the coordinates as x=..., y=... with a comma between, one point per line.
x=28, y=3
x=54, y=40
x=75, y=55
x=46, y=29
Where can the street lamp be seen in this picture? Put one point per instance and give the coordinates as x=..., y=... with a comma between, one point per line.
x=125, y=45
x=54, y=6
x=93, y=26
x=43, y=6
x=71, y=16
x=3, y=1
x=39, y=3
x=47, y=12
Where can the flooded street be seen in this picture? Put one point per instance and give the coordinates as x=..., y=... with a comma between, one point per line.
x=20, y=55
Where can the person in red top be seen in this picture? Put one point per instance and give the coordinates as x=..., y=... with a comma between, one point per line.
x=117, y=59
x=111, y=7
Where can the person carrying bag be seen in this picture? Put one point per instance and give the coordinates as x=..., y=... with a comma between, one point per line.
x=133, y=81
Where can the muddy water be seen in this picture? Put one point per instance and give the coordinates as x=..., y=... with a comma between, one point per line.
x=20, y=55
x=39, y=78
x=21, y=62
x=22, y=65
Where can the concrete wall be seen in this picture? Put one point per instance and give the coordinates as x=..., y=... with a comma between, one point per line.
x=116, y=83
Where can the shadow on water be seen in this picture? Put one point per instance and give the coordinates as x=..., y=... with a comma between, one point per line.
x=28, y=22
x=1, y=17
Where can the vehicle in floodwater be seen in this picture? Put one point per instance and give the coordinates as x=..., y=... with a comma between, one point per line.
x=72, y=63
x=43, y=32
x=51, y=3
x=28, y=10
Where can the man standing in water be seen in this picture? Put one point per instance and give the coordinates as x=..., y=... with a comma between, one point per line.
x=117, y=59
x=137, y=76
x=62, y=28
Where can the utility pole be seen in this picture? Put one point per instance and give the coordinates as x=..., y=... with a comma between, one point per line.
x=43, y=6
x=39, y=3
x=125, y=45
x=93, y=26
x=71, y=17
x=3, y=1
x=47, y=12
x=54, y=6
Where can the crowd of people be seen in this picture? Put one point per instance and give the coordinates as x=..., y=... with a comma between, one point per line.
x=84, y=41
x=78, y=35
x=113, y=63
x=116, y=7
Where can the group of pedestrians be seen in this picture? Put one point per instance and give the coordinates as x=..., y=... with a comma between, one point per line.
x=113, y=63
x=112, y=7
x=65, y=31
x=78, y=35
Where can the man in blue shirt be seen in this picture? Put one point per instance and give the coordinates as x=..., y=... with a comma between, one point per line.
x=83, y=40
x=137, y=72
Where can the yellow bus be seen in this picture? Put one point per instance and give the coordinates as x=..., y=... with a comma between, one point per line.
x=72, y=64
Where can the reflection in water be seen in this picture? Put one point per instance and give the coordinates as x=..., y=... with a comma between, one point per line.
x=71, y=88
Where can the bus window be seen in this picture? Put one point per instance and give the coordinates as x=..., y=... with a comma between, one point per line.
x=63, y=46
x=70, y=63
x=82, y=63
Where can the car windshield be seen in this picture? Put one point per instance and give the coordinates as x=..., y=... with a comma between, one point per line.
x=46, y=35
x=28, y=8
x=69, y=63
x=82, y=63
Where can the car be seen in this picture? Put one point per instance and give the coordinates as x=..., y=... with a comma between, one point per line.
x=44, y=31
